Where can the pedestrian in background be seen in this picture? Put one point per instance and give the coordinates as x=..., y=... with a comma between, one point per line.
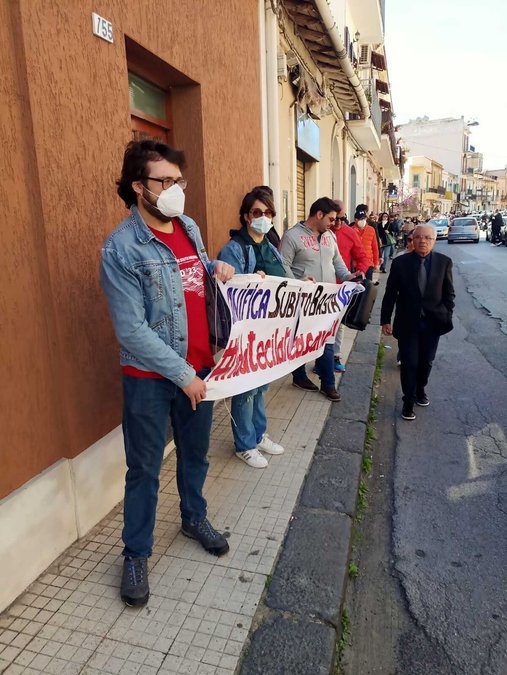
x=368, y=237
x=387, y=241
x=354, y=257
x=496, y=226
x=154, y=270
x=420, y=285
x=249, y=251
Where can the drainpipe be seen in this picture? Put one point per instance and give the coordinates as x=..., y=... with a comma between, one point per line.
x=272, y=108
x=346, y=176
x=323, y=7
x=263, y=92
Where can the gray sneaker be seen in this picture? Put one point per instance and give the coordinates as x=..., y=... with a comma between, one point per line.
x=203, y=532
x=134, y=590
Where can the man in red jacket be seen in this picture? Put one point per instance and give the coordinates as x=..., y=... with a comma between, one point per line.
x=354, y=256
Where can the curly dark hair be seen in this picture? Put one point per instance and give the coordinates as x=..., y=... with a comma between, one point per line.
x=258, y=193
x=135, y=160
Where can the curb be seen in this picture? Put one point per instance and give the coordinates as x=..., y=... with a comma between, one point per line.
x=298, y=622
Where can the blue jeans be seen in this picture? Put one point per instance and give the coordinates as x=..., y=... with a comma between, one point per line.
x=324, y=366
x=248, y=418
x=149, y=406
x=386, y=252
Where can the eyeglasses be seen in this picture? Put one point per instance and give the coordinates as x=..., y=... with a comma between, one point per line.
x=331, y=219
x=258, y=213
x=342, y=218
x=422, y=237
x=169, y=182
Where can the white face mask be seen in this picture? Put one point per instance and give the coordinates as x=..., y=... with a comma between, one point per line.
x=171, y=202
x=361, y=223
x=261, y=225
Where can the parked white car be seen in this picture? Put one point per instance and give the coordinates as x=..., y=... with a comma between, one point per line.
x=441, y=225
x=464, y=229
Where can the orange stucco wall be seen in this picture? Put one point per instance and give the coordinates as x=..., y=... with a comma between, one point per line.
x=65, y=119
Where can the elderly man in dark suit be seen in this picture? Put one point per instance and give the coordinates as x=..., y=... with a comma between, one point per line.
x=420, y=285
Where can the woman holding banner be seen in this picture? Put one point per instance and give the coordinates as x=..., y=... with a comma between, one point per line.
x=249, y=251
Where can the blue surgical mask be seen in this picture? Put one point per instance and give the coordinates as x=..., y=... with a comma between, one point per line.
x=261, y=225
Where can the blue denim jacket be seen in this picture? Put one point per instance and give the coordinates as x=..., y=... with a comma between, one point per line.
x=141, y=279
x=232, y=253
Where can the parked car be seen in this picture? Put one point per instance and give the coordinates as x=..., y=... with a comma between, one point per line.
x=503, y=231
x=441, y=225
x=464, y=229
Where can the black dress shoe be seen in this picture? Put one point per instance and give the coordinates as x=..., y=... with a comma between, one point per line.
x=305, y=384
x=331, y=394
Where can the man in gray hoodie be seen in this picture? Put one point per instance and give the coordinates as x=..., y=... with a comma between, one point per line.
x=311, y=252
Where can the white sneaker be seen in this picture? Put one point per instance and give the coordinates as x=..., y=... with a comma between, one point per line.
x=269, y=446
x=253, y=458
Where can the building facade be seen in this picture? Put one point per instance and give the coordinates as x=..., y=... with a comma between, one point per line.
x=335, y=133
x=500, y=178
x=447, y=141
x=292, y=94
x=71, y=102
x=424, y=192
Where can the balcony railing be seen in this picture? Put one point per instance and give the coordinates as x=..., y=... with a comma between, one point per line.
x=375, y=111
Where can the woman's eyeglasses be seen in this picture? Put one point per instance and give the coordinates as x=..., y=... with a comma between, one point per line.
x=258, y=213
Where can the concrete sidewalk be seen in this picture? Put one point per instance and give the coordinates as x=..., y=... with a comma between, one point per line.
x=200, y=612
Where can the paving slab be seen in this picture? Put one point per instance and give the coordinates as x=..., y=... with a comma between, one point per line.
x=345, y=434
x=311, y=569
x=332, y=482
x=290, y=646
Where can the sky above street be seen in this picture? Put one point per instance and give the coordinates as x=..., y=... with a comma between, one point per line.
x=448, y=58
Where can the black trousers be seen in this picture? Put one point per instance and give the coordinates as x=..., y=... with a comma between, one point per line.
x=495, y=234
x=417, y=353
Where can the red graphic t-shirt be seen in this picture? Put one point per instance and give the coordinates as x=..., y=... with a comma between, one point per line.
x=193, y=279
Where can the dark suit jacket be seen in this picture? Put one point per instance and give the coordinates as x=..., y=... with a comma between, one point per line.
x=402, y=289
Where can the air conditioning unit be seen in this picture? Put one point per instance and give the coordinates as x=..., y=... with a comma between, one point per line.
x=285, y=61
x=282, y=66
x=364, y=55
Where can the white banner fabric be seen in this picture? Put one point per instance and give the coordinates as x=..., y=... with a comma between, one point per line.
x=277, y=325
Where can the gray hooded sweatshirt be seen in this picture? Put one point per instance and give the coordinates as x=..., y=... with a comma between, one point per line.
x=305, y=253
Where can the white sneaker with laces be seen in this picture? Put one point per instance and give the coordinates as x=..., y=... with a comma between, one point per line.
x=269, y=446
x=253, y=458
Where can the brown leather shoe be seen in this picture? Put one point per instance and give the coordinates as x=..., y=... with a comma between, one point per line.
x=305, y=384
x=331, y=394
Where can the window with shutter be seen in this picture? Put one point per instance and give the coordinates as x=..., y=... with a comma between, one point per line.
x=150, y=110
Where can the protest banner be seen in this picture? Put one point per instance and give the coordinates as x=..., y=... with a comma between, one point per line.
x=277, y=325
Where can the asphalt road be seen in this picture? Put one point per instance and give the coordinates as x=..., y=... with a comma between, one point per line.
x=432, y=596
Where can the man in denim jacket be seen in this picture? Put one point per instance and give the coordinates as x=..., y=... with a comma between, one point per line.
x=154, y=270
